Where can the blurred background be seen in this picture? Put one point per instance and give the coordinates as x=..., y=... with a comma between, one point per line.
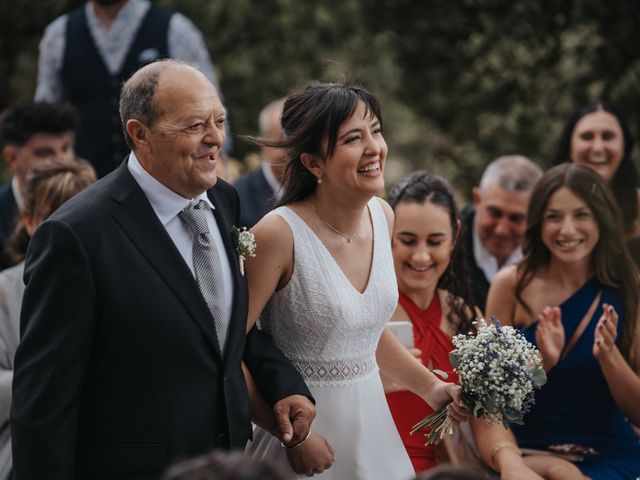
x=461, y=82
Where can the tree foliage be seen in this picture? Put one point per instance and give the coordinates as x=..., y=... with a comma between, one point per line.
x=461, y=82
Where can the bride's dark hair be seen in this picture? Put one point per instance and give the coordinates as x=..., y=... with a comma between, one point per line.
x=422, y=187
x=310, y=117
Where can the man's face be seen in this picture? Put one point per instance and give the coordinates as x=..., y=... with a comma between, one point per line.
x=501, y=219
x=39, y=147
x=183, y=146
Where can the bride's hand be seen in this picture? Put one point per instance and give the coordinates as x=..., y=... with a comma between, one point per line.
x=311, y=457
x=443, y=393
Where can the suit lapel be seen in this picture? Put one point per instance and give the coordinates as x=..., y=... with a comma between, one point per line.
x=136, y=217
x=237, y=322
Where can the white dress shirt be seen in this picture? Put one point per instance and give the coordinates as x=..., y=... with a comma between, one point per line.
x=167, y=204
x=273, y=182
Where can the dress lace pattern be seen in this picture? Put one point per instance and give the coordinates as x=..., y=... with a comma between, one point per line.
x=327, y=328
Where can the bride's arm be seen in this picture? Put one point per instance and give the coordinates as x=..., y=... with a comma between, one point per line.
x=403, y=368
x=272, y=265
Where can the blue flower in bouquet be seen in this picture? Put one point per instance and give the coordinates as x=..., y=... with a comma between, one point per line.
x=498, y=370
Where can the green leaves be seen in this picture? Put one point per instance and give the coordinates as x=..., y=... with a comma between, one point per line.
x=539, y=376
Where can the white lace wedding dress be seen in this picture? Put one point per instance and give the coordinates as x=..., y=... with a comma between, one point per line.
x=330, y=332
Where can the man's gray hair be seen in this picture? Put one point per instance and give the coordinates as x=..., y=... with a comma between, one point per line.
x=513, y=173
x=264, y=120
x=136, y=97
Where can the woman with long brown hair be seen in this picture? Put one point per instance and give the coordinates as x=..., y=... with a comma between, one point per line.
x=575, y=295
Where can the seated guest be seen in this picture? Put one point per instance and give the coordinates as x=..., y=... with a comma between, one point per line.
x=29, y=132
x=493, y=228
x=219, y=465
x=451, y=472
x=598, y=136
x=48, y=184
x=575, y=295
x=260, y=188
x=434, y=293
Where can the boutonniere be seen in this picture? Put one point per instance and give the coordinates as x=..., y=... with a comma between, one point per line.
x=245, y=244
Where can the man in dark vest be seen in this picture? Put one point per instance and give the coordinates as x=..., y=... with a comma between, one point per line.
x=87, y=54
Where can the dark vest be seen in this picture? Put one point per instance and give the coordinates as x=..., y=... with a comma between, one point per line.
x=95, y=93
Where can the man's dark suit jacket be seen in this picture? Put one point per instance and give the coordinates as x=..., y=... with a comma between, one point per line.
x=8, y=218
x=479, y=283
x=119, y=371
x=256, y=197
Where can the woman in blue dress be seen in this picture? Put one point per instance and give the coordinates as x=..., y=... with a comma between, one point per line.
x=575, y=295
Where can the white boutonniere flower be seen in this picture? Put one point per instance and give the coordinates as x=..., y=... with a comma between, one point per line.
x=245, y=244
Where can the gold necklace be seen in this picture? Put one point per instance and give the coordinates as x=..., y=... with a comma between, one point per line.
x=334, y=229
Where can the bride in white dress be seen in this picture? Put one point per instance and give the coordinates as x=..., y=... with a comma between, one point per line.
x=323, y=284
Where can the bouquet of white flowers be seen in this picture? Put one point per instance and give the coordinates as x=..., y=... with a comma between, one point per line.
x=498, y=371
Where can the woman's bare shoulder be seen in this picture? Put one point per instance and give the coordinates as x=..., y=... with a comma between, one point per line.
x=388, y=212
x=273, y=236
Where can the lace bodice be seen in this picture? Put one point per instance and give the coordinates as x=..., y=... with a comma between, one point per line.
x=327, y=328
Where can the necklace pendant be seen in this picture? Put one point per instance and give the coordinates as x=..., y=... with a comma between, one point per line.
x=349, y=240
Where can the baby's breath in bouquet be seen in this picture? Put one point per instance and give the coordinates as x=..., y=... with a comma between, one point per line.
x=498, y=371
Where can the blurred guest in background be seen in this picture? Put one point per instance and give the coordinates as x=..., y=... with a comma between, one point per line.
x=220, y=465
x=29, y=133
x=48, y=185
x=260, y=188
x=87, y=54
x=435, y=295
x=598, y=137
x=493, y=227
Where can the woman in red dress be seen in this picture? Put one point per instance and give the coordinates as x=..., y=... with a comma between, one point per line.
x=434, y=293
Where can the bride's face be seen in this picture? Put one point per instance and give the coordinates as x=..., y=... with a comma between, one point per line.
x=422, y=245
x=357, y=162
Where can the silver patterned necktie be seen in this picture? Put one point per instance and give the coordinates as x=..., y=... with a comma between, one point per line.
x=207, y=266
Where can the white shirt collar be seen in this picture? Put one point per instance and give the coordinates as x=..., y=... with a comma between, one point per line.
x=15, y=188
x=114, y=43
x=273, y=182
x=164, y=201
x=485, y=260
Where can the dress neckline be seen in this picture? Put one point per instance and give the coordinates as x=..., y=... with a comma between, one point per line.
x=334, y=261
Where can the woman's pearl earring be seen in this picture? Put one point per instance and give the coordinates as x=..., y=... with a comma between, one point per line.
x=319, y=180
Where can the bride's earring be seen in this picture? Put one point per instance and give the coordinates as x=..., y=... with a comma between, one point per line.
x=319, y=180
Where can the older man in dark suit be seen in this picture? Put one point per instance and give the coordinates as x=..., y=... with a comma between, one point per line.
x=134, y=317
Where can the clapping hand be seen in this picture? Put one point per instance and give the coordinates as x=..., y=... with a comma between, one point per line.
x=294, y=415
x=550, y=336
x=606, y=332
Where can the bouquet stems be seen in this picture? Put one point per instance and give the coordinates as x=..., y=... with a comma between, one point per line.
x=439, y=423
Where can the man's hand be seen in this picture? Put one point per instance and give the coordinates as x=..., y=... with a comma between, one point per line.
x=313, y=456
x=294, y=415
